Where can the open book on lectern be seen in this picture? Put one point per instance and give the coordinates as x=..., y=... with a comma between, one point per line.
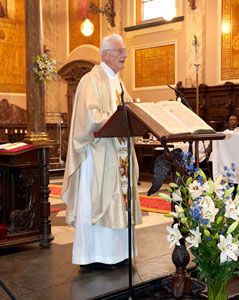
x=164, y=118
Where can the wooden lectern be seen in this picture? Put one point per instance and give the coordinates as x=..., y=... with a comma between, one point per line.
x=139, y=123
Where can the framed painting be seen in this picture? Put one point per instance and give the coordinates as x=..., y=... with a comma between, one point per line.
x=230, y=40
x=154, y=66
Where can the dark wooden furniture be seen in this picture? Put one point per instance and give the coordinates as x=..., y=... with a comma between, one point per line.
x=216, y=103
x=24, y=205
x=13, y=129
x=72, y=73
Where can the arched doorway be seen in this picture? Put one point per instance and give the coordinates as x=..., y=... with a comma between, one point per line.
x=81, y=60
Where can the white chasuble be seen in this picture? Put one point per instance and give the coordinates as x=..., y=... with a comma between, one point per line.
x=94, y=243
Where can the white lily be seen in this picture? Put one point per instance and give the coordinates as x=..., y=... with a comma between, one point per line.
x=174, y=235
x=218, y=184
x=194, y=238
x=231, y=210
x=206, y=187
x=236, y=201
x=177, y=196
x=205, y=200
x=237, y=251
x=195, y=189
x=179, y=212
x=218, y=188
x=229, y=249
x=209, y=212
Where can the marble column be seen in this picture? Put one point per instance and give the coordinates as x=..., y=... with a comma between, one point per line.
x=36, y=125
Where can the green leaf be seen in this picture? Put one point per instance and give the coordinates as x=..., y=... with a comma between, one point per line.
x=178, y=174
x=173, y=185
x=219, y=219
x=170, y=190
x=168, y=216
x=228, y=192
x=202, y=174
x=211, y=186
x=207, y=233
x=189, y=180
x=232, y=227
x=165, y=197
x=183, y=220
x=236, y=272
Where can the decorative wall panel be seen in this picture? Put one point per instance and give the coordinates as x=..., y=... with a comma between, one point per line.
x=230, y=40
x=155, y=66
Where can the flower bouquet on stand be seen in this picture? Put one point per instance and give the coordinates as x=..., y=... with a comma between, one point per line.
x=44, y=68
x=207, y=215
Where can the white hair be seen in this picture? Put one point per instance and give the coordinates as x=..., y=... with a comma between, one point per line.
x=107, y=41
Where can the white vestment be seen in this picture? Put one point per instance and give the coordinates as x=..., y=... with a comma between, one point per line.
x=93, y=243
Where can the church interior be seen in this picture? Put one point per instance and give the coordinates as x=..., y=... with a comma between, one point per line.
x=184, y=50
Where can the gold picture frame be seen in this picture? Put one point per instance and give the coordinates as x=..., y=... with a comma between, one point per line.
x=230, y=40
x=155, y=66
x=3, y=9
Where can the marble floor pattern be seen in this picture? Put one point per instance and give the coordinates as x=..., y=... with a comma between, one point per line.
x=33, y=273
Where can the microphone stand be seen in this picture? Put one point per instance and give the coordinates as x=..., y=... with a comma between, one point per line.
x=128, y=194
x=179, y=93
x=6, y=289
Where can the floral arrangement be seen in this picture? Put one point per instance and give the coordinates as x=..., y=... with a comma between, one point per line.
x=207, y=219
x=44, y=68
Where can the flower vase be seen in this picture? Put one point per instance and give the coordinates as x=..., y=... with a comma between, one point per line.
x=217, y=291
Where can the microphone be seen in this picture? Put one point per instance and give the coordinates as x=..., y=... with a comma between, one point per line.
x=179, y=93
x=122, y=94
x=121, y=106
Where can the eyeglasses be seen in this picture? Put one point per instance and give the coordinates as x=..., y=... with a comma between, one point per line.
x=120, y=51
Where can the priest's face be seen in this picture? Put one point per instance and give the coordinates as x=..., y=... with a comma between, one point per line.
x=115, y=56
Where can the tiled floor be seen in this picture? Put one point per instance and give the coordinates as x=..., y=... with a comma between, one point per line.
x=33, y=273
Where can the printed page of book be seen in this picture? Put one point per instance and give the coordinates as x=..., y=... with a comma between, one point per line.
x=191, y=120
x=10, y=146
x=164, y=118
x=176, y=117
